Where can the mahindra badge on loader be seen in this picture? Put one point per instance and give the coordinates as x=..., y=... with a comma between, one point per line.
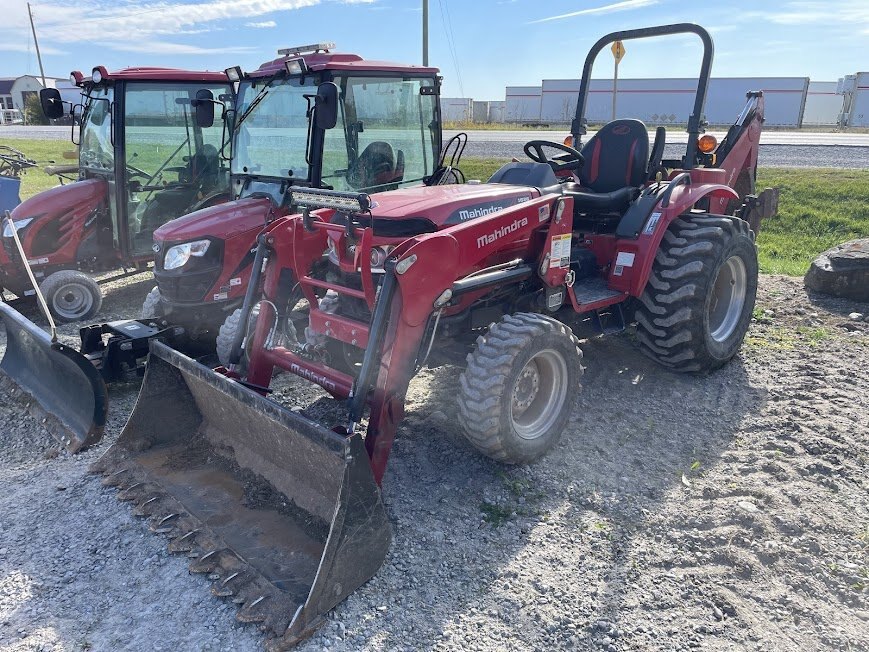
x=143, y=160
x=311, y=117
x=500, y=270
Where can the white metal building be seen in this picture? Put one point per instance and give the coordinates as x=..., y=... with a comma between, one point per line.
x=823, y=104
x=858, y=111
x=660, y=101
x=523, y=104
x=456, y=109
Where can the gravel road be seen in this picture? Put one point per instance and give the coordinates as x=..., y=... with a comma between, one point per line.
x=678, y=512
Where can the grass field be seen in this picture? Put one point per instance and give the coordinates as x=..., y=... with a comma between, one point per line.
x=819, y=208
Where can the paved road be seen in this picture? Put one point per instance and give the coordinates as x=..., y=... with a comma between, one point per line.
x=777, y=148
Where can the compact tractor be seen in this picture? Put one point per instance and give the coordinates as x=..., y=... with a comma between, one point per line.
x=310, y=118
x=285, y=514
x=143, y=160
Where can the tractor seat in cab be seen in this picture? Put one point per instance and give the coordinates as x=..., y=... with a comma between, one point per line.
x=616, y=167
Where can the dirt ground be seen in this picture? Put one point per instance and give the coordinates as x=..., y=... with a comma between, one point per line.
x=678, y=512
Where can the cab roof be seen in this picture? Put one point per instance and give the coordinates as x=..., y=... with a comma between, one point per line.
x=147, y=73
x=318, y=61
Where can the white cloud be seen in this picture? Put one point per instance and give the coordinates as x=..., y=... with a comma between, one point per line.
x=131, y=25
x=606, y=9
x=162, y=47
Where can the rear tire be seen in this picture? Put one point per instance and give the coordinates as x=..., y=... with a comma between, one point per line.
x=697, y=305
x=518, y=389
x=71, y=295
x=152, y=307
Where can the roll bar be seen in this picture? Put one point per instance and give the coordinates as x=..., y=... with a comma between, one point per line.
x=578, y=127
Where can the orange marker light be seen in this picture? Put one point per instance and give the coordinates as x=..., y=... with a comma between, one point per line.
x=707, y=143
x=568, y=140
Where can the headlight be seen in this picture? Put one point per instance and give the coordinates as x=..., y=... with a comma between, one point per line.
x=19, y=224
x=379, y=256
x=178, y=255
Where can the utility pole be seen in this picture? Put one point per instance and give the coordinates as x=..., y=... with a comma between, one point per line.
x=425, y=32
x=36, y=43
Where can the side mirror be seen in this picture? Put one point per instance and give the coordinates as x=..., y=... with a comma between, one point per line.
x=52, y=105
x=326, y=105
x=204, y=104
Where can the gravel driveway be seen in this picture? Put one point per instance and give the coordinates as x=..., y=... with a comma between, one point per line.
x=678, y=512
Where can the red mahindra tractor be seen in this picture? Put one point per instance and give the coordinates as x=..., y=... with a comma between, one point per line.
x=310, y=118
x=285, y=514
x=143, y=160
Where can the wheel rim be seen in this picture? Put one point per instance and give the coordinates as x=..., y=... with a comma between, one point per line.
x=539, y=394
x=72, y=301
x=728, y=299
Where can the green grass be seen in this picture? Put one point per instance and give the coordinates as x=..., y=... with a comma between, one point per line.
x=35, y=180
x=819, y=208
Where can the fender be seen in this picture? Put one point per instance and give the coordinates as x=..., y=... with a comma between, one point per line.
x=633, y=261
x=62, y=219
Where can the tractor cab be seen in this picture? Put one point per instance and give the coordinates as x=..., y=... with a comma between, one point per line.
x=322, y=119
x=140, y=135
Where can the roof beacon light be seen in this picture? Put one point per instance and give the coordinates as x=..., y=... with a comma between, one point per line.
x=305, y=49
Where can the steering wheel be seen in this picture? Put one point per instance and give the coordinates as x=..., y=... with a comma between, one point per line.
x=534, y=150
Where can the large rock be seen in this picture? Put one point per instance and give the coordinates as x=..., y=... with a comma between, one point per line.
x=842, y=271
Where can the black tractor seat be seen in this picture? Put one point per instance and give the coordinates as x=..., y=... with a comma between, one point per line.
x=616, y=167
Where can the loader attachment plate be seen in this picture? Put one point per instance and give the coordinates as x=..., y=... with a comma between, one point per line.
x=69, y=395
x=281, y=513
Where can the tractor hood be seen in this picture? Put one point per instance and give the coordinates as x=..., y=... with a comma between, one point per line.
x=222, y=221
x=63, y=200
x=450, y=204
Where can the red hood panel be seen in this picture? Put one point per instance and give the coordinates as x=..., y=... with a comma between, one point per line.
x=62, y=199
x=450, y=204
x=223, y=221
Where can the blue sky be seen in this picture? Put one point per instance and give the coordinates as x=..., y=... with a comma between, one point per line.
x=492, y=43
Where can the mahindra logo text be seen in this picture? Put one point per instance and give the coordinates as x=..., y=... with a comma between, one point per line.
x=307, y=374
x=500, y=232
x=478, y=212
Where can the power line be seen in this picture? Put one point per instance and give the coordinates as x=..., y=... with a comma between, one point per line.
x=448, y=29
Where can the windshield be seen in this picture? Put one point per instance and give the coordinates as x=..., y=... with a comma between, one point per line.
x=271, y=139
x=387, y=134
x=172, y=163
x=96, y=151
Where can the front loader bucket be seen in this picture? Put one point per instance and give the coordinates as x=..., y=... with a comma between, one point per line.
x=70, y=394
x=283, y=514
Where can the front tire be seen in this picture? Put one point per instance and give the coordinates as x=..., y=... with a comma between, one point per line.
x=71, y=295
x=697, y=305
x=152, y=307
x=518, y=389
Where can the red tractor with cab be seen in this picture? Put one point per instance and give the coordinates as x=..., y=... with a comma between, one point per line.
x=310, y=118
x=143, y=160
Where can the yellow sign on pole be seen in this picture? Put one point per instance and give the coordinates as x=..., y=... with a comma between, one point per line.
x=618, y=50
